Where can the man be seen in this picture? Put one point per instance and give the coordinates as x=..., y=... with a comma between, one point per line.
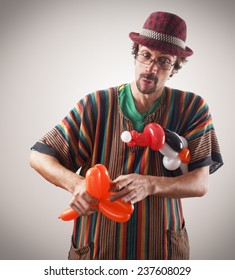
x=91, y=134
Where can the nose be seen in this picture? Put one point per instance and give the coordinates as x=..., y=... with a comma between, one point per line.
x=152, y=67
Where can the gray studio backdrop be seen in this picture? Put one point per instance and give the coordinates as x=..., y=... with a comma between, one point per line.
x=52, y=53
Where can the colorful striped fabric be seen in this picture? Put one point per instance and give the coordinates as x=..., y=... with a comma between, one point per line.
x=90, y=134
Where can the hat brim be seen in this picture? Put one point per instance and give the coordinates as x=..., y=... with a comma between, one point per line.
x=160, y=45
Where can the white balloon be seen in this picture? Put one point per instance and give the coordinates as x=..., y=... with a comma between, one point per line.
x=185, y=142
x=166, y=150
x=184, y=167
x=171, y=163
x=126, y=136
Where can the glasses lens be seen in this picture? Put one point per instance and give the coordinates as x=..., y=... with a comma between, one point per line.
x=164, y=64
x=161, y=63
x=143, y=59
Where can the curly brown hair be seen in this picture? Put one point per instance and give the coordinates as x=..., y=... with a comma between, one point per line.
x=178, y=64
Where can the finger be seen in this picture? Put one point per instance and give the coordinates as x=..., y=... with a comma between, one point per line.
x=116, y=186
x=119, y=194
x=130, y=197
x=122, y=181
x=115, y=196
x=76, y=207
x=82, y=211
x=83, y=207
x=112, y=186
x=120, y=185
x=91, y=199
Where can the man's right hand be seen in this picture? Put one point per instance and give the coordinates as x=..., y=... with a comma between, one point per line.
x=82, y=202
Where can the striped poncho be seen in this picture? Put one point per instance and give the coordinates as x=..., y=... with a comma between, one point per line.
x=90, y=134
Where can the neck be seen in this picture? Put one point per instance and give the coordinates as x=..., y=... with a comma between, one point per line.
x=144, y=102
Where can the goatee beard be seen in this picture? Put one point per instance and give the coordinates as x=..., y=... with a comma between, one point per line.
x=150, y=77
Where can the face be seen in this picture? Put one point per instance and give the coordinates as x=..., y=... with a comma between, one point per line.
x=151, y=78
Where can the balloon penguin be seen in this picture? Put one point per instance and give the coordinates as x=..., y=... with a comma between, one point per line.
x=98, y=185
x=173, y=147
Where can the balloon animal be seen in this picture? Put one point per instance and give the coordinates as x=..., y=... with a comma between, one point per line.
x=173, y=147
x=98, y=185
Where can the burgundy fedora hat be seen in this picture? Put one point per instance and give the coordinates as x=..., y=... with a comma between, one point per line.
x=164, y=32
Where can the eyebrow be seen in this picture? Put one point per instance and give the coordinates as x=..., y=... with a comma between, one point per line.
x=149, y=50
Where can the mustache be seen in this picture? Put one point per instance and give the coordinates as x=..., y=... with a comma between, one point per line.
x=149, y=77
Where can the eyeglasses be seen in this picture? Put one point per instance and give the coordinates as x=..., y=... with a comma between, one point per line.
x=162, y=62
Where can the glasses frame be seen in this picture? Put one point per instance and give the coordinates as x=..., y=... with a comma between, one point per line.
x=156, y=61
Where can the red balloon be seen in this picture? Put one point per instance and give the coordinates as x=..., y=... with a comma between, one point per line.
x=156, y=134
x=185, y=155
x=131, y=143
x=139, y=139
x=143, y=140
x=134, y=135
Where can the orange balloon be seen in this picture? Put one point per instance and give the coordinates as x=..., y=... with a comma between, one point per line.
x=114, y=216
x=97, y=181
x=92, y=182
x=97, y=185
x=68, y=215
x=185, y=155
x=117, y=211
x=104, y=179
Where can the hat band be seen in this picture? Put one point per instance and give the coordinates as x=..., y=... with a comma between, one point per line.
x=163, y=37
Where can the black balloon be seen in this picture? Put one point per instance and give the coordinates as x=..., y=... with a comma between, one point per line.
x=174, y=140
